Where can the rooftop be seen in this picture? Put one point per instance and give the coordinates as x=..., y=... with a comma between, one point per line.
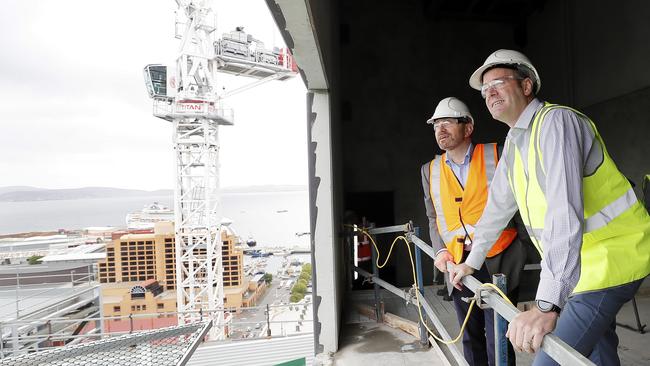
x=86, y=252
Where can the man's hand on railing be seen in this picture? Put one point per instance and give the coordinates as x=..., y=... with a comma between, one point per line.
x=441, y=260
x=457, y=272
x=527, y=330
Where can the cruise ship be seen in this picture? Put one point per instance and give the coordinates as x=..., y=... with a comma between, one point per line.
x=148, y=216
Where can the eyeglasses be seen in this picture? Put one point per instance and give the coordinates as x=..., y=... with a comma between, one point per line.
x=497, y=84
x=446, y=123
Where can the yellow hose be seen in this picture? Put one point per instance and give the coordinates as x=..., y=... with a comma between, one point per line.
x=417, y=292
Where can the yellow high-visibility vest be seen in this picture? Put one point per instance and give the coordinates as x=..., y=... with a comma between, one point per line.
x=616, y=229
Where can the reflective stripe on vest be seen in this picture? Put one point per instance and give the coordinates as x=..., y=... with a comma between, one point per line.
x=458, y=209
x=616, y=230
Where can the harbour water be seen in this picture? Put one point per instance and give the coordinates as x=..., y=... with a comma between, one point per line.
x=271, y=218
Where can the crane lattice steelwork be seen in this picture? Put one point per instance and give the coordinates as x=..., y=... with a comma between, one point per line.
x=187, y=96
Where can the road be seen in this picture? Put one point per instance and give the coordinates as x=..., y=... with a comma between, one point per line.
x=250, y=322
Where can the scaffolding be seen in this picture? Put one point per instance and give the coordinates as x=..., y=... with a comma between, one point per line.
x=487, y=298
x=29, y=336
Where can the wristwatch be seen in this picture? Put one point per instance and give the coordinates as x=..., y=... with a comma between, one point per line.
x=547, y=307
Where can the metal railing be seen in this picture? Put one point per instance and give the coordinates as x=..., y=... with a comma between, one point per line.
x=29, y=282
x=552, y=345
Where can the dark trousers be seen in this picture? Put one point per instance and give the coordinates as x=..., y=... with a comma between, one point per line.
x=588, y=324
x=478, y=338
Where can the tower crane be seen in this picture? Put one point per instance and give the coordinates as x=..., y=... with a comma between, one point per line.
x=187, y=96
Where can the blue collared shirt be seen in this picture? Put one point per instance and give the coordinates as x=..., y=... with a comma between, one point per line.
x=461, y=170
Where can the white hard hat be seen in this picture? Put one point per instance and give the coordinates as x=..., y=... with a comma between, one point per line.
x=450, y=107
x=504, y=57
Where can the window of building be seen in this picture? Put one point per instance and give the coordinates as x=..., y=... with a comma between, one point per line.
x=116, y=309
x=161, y=306
x=137, y=292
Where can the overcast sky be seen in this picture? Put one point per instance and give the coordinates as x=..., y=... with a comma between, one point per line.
x=75, y=111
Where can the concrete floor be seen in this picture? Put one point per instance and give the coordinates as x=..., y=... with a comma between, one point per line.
x=370, y=343
x=634, y=348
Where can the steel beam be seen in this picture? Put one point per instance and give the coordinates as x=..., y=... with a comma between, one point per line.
x=390, y=229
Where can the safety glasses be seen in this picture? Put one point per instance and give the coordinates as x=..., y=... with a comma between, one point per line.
x=497, y=84
x=446, y=123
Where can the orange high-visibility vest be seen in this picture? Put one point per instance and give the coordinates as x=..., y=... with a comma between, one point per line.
x=458, y=209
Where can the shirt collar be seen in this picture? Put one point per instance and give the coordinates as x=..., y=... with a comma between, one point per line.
x=468, y=156
x=527, y=115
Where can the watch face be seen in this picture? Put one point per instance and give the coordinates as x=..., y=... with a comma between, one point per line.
x=544, y=306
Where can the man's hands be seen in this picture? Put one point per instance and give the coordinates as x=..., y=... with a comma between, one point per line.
x=457, y=273
x=441, y=260
x=526, y=331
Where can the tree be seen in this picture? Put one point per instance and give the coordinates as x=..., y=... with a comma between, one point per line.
x=304, y=276
x=267, y=278
x=35, y=259
x=299, y=288
x=296, y=297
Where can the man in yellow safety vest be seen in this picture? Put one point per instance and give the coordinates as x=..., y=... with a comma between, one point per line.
x=582, y=215
x=455, y=188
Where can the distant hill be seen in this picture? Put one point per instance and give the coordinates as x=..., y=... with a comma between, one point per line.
x=25, y=193
x=18, y=189
x=75, y=193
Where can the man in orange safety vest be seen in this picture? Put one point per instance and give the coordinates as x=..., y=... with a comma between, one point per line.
x=455, y=188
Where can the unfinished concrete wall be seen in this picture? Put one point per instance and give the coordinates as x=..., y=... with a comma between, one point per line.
x=596, y=59
x=326, y=261
x=310, y=31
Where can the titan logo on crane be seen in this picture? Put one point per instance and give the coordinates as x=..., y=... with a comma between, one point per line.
x=187, y=95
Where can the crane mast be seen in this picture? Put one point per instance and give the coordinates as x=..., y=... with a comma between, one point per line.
x=196, y=146
x=186, y=95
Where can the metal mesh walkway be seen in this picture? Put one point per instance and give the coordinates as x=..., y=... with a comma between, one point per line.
x=161, y=347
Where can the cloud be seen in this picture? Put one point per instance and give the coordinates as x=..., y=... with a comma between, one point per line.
x=75, y=110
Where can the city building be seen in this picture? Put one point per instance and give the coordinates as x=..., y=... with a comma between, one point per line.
x=138, y=299
x=140, y=257
x=256, y=288
x=16, y=249
x=33, y=295
x=99, y=232
x=139, y=277
x=232, y=259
